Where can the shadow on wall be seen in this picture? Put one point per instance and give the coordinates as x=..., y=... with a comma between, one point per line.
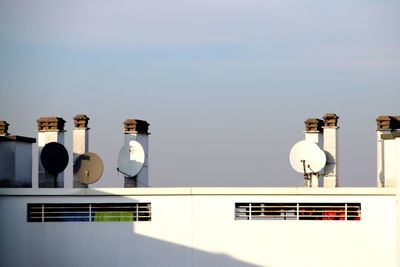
x=92, y=243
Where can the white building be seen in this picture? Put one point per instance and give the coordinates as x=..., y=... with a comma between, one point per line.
x=199, y=227
x=276, y=227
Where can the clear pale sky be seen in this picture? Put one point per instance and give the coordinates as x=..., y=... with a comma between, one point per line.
x=225, y=85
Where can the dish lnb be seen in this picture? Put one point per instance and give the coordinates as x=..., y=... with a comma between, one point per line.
x=306, y=157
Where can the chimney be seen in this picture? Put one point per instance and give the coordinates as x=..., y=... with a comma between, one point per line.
x=50, y=129
x=388, y=133
x=138, y=130
x=313, y=130
x=4, y=128
x=313, y=133
x=330, y=134
x=15, y=159
x=80, y=142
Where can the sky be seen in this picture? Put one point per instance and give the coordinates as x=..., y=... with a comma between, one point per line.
x=225, y=85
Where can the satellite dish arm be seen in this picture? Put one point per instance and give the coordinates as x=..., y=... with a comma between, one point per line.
x=127, y=175
x=312, y=171
x=310, y=175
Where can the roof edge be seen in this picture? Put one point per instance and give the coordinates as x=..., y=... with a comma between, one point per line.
x=197, y=191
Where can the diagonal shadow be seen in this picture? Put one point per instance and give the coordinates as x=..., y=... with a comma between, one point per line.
x=91, y=243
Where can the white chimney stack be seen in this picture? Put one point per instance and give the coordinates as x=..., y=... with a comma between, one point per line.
x=50, y=129
x=313, y=133
x=80, y=142
x=388, y=130
x=330, y=133
x=137, y=130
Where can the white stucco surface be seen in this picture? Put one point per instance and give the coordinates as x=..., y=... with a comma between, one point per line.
x=197, y=227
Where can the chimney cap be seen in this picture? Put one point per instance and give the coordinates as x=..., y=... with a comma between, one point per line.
x=136, y=126
x=4, y=128
x=81, y=121
x=50, y=124
x=387, y=122
x=314, y=125
x=330, y=120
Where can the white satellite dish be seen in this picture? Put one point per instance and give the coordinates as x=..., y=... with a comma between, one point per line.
x=131, y=158
x=306, y=156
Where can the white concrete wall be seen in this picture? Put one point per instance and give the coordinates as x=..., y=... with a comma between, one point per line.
x=387, y=153
x=331, y=170
x=45, y=179
x=398, y=198
x=23, y=164
x=316, y=137
x=80, y=141
x=380, y=175
x=303, y=243
x=7, y=162
x=389, y=162
x=80, y=145
x=143, y=175
x=200, y=230
x=16, y=163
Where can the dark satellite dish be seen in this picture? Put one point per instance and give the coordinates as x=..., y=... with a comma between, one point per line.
x=54, y=158
x=88, y=168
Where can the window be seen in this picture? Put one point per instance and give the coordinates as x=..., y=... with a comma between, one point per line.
x=266, y=211
x=298, y=211
x=88, y=212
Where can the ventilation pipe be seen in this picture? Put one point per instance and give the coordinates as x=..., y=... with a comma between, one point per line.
x=50, y=129
x=80, y=142
x=15, y=159
x=330, y=136
x=313, y=133
x=388, y=131
x=137, y=130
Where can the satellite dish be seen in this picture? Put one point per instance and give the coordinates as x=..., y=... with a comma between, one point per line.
x=131, y=158
x=307, y=157
x=88, y=168
x=54, y=158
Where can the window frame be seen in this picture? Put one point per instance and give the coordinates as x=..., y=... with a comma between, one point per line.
x=89, y=212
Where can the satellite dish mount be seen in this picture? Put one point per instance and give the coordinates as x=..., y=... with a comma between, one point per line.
x=308, y=175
